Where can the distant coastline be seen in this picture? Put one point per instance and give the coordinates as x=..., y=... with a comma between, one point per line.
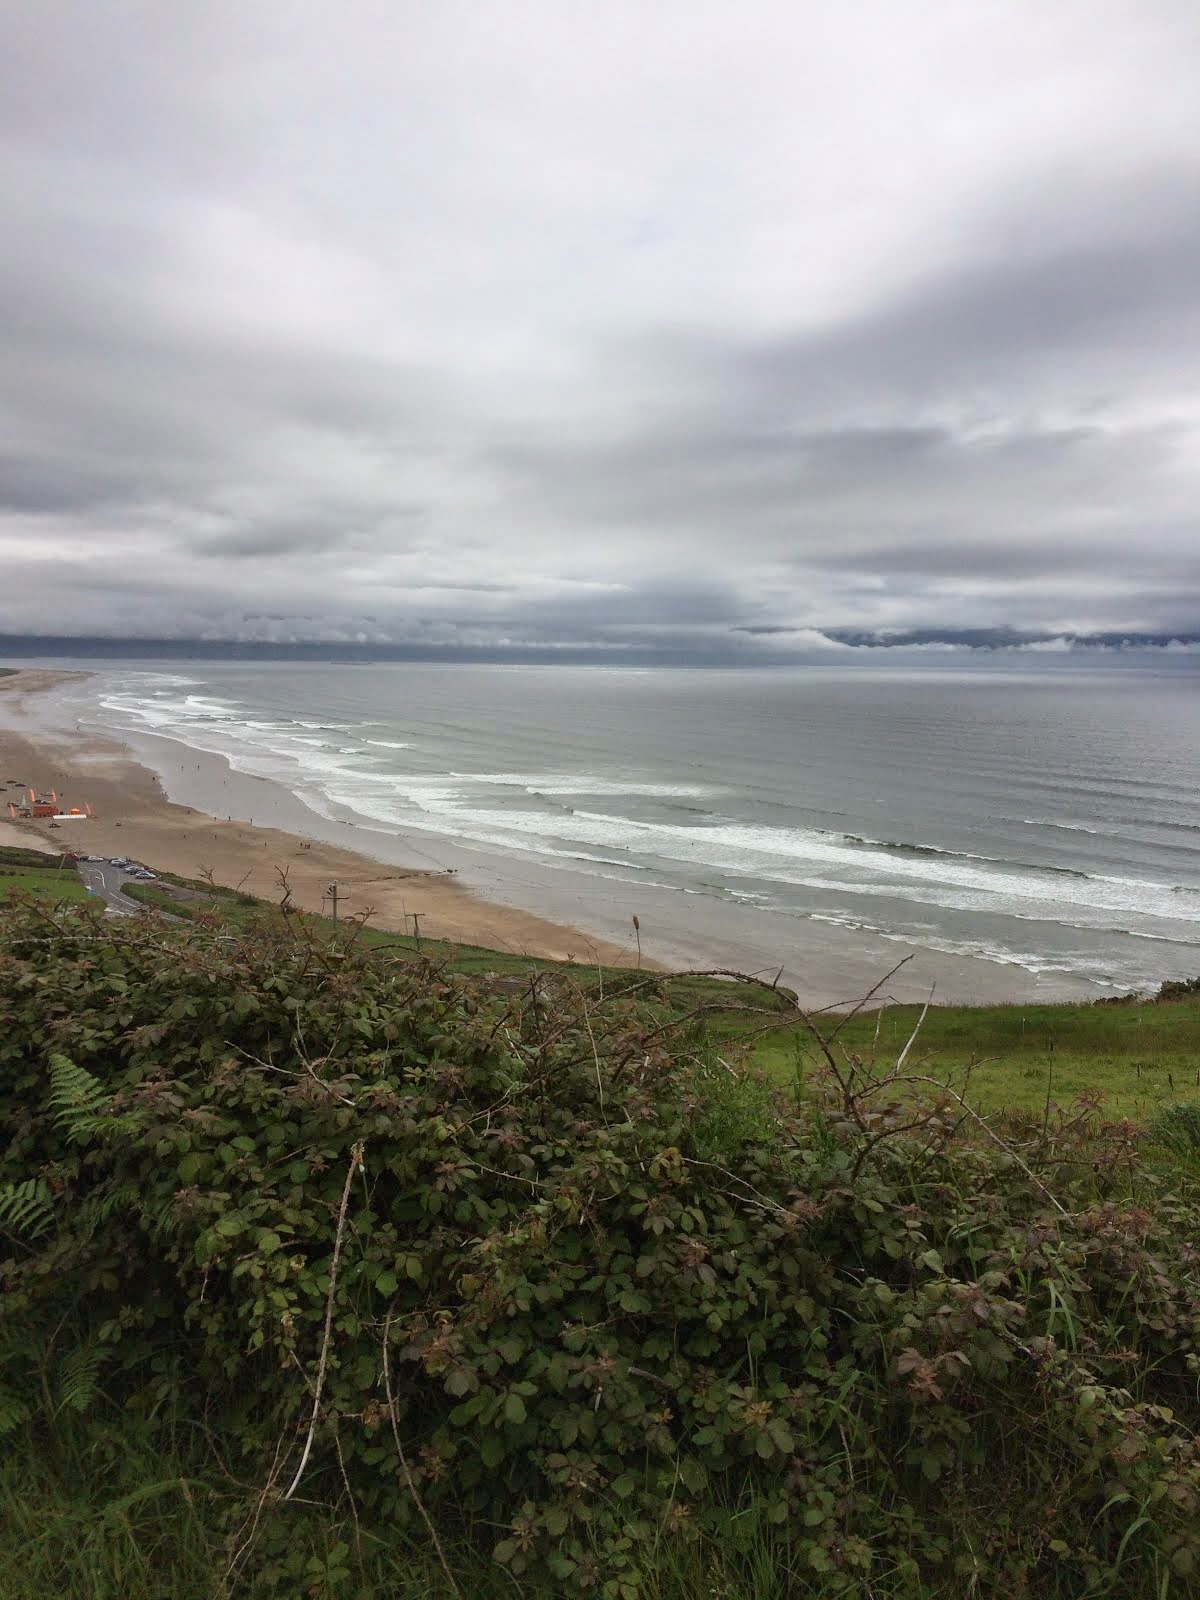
x=748, y=647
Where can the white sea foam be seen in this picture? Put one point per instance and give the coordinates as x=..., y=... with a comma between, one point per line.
x=800, y=857
x=1066, y=827
x=583, y=783
x=449, y=803
x=636, y=824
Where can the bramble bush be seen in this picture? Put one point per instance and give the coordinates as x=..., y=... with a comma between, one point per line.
x=538, y=1271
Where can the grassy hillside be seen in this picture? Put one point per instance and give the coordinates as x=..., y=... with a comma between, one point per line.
x=49, y=878
x=1133, y=1058
x=325, y=1270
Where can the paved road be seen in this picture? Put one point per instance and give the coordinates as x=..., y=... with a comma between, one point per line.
x=107, y=881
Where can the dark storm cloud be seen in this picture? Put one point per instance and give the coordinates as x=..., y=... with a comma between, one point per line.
x=524, y=325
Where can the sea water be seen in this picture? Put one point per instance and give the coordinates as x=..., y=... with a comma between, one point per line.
x=1042, y=818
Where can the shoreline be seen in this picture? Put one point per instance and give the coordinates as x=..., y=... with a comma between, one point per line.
x=158, y=800
x=135, y=817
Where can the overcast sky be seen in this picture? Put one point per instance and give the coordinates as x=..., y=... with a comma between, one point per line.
x=671, y=323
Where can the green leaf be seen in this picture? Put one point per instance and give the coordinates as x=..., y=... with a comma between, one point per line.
x=514, y=1409
x=781, y=1435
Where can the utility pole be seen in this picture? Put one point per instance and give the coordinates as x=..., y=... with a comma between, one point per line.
x=332, y=892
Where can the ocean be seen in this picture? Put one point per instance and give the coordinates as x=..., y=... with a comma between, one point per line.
x=1038, y=817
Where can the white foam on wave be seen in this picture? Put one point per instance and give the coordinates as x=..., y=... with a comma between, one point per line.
x=462, y=805
x=927, y=937
x=986, y=950
x=586, y=783
x=795, y=856
x=1066, y=827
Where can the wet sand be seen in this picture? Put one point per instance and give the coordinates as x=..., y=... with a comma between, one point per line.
x=467, y=896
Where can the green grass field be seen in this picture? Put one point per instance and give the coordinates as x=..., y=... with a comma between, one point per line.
x=1137, y=1057
x=48, y=877
x=52, y=886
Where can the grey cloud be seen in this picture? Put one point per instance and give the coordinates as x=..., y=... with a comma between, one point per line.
x=391, y=324
x=288, y=540
x=1106, y=308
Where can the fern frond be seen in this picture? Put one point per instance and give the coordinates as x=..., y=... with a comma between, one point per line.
x=80, y=1105
x=13, y=1411
x=26, y=1208
x=101, y=1207
x=161, y=1214
x=77, y=1386
x=76, y=1098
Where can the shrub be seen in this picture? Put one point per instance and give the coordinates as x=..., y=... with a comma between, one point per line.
x=1177, y=1127
x=522, y=1270
x=15, y=855
x=1178, y=989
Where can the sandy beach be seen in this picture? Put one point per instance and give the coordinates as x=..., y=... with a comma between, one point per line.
x=133, y=817
x=465, y=897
